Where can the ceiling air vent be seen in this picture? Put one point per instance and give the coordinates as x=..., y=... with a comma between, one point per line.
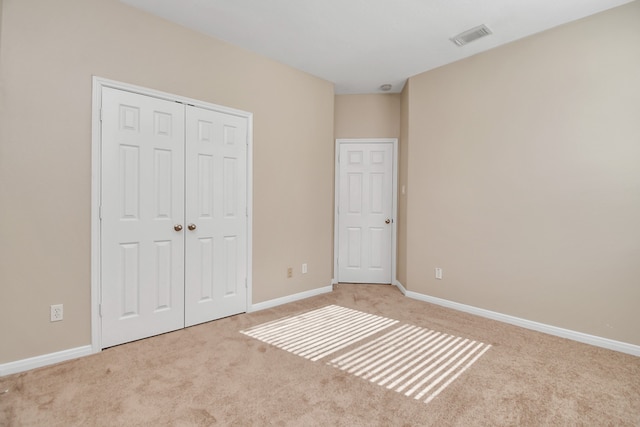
x=471, y=35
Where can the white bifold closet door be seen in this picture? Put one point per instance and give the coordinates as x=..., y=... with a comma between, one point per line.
x=173, y=216
x=216, y=194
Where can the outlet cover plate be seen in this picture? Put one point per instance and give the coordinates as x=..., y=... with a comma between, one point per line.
x=57, y=312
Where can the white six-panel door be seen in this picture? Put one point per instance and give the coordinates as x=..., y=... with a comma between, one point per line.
x=365, y=212
x=216, y=215
x=173, y=216
x=142, y=271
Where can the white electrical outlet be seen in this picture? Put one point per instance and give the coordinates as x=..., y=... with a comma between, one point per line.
x=304, y=268
x=438, y=273
x=57, y=312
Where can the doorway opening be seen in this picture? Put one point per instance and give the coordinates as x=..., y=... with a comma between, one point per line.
x=365, y=225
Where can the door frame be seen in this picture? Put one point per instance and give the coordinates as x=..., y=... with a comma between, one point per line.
x=394, y=205
x=96, y=185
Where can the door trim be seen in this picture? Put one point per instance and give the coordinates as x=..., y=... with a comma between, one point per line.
x=96, y=185
x=394, y=196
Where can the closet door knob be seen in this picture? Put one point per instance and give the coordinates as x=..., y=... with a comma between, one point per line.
x=191, y=227
x=388, y=221
x=177, y=227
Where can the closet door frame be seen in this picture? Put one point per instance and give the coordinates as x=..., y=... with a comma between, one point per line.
x=96, y=176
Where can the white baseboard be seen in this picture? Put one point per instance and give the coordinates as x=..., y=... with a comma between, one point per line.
x=529, y=324
x=289, y=298
x=73, y=353
x=44, y=360
x=399, y=285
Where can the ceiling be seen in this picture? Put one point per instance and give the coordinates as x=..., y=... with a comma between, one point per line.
x=360, y=45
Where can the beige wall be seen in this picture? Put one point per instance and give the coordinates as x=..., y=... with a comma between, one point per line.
x=49, y=51
x=367, y=116
x=1, y=23
x=522, y=181
x=524, y=178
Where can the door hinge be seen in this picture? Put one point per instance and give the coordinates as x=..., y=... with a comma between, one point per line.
x=100, y=212
x=101, y=110
x=100, y=309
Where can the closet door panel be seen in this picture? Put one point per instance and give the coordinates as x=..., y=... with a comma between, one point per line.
x=142, y=200
x=216, y=210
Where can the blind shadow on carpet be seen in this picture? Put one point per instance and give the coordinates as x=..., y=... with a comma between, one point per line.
x=419, y=363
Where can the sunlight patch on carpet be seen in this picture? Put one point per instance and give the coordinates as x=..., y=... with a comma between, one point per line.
x=417, y=362
x=320, y=333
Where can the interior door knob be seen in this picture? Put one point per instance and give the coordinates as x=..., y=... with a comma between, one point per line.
x=177, y=227
x=387, y=221
x=191, y=227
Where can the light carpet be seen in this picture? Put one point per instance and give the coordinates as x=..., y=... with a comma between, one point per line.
x=417, y=362
x=211, y=374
